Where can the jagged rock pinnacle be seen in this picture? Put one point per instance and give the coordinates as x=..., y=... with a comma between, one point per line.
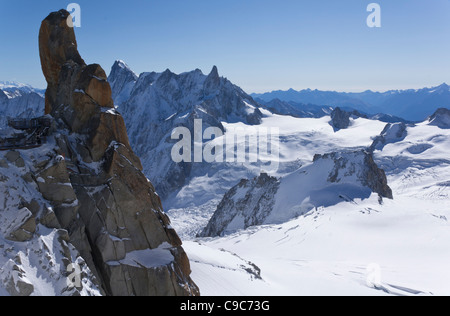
x=116, y=211
x=57, y=45
x=213, y=79
x=214, y=72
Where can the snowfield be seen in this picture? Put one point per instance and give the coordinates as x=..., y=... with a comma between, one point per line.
x=351, y=248
x=331, y=251
x=191, y=207
x=360, y=247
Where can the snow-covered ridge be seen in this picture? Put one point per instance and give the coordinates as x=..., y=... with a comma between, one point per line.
x=19, y=101
x=153, y=104
x=122, y=80
x=329, y=180
x=14, y=89
x=358, y=247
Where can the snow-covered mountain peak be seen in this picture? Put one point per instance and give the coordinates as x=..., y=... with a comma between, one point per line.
x=121, y=64
x=214, y=74
x=14, y=89
x=156, y=103
x=122, y=80
x=121, y=67
x=13, y=84
x=444, y=86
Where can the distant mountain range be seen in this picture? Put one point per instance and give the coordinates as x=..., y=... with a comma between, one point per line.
x=301, y=110
x=19, y=101
x=13, y=89
x=413, y=105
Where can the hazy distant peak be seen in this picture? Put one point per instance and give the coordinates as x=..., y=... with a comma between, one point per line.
x=412, y=104
x=214, y=72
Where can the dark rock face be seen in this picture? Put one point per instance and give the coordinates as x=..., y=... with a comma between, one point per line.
x=392, y=133
x=248, y=203
x=368, y=173
x=113, y=215
x=375, y=178
x=340, y=119
x=3, y=97
x=441, y=118
x=122, y=80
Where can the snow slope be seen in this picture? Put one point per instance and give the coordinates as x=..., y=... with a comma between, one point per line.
x=352, y=248
x=12, y=88
x=329, y=252
x=355, y=247
x=300, y=139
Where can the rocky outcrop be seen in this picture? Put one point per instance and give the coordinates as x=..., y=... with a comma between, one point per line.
x=247, y=204
x=94, y=181
x=361, y=165
x=331, y=179
x=38, y=256
x=3, y=98
x=392, y=133
x=441, y=118
x=340, y=119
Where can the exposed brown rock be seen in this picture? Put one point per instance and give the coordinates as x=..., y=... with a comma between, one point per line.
x=57, y=45
x=112, y=211
x=94, y=82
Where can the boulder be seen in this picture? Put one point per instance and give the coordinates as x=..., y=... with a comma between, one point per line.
x=94, y=82
x=54, y=183
x=3, y=163
x=15, y=158
x=340, y=119
x=359, y=164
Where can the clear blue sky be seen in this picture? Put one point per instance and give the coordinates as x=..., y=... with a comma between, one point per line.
x=260, y=45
